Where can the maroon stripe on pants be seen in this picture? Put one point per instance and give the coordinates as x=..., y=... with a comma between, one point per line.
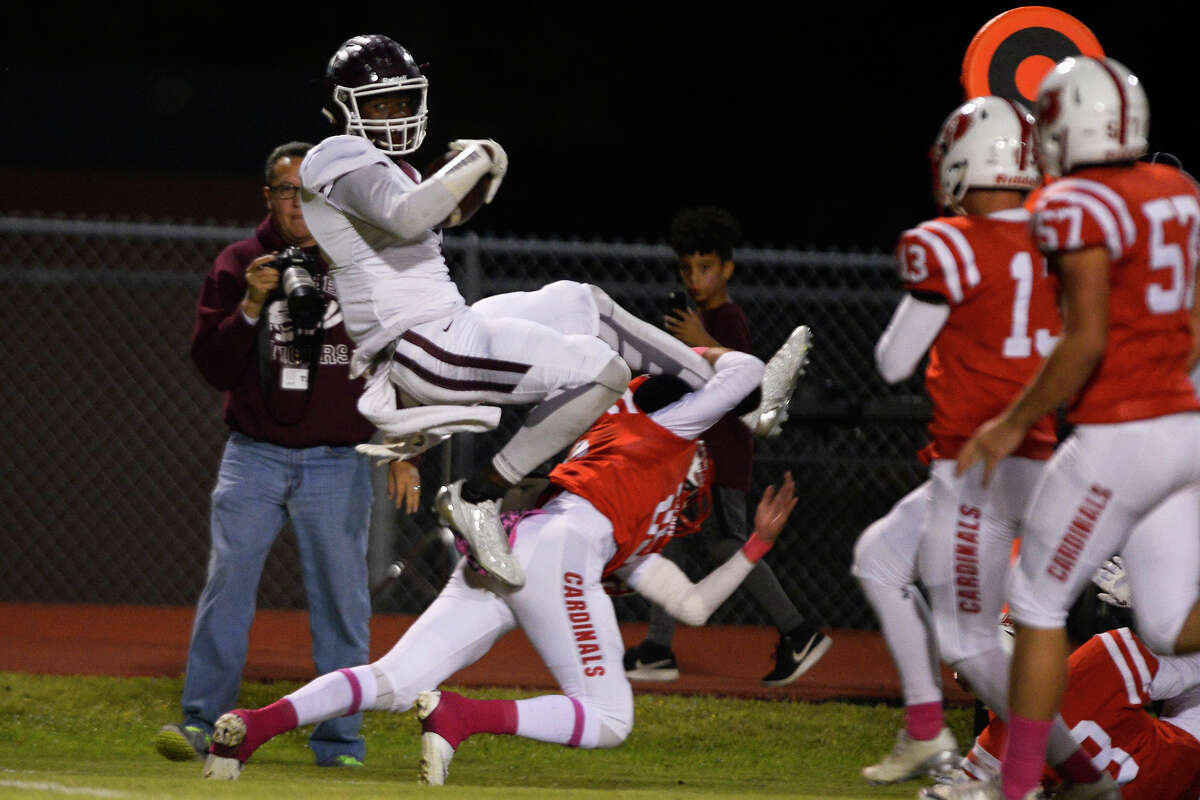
x=452, y=383
x=457, y=360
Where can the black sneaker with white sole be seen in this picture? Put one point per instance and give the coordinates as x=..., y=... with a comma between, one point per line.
x=650, y=661
x=795, y=654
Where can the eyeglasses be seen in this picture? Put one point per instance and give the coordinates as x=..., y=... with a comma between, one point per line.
x=284, y=191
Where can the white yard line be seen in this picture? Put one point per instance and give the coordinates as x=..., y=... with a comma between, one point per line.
x=58, y=788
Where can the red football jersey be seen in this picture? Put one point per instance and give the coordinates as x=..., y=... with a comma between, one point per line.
x=632, y=470
x=1003, y=321
x=1147, y=216
x=1108, y=686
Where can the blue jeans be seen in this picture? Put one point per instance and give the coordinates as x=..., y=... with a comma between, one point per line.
x=326, y=492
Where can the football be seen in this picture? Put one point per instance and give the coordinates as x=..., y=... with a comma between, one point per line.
x=469, y=204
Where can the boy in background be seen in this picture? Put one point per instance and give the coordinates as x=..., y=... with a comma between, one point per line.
x=703, y=239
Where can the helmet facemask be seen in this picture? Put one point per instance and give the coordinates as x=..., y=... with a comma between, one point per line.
x=395, y=135
x=697, y=493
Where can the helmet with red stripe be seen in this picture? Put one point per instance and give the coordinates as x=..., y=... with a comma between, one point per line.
x=986, y=143
x=1090, y=111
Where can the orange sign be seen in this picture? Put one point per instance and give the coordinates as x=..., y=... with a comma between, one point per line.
x=1011, y=54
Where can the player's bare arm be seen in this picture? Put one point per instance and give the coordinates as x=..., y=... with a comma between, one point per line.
x=1085, y=279
x=260, y=281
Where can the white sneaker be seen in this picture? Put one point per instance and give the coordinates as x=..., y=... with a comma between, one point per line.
x=973, y=790
x=436, y=752
x=779, y=381
x=222, y=763
x=1104, y=789
x=479, y=525
x=912, y=758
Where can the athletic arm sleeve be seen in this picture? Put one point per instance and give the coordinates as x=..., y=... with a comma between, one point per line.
x=911, y=331
x=373, y=194
x=736, y=375
x=661, y=582
x=1176, y=675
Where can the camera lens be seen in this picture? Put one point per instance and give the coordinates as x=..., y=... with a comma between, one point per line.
x=304, y=301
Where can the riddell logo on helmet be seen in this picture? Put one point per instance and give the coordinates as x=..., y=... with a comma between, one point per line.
x=1015, y=180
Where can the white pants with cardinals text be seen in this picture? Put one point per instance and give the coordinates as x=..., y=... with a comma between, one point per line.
x=562, y=609
x=1101, y=483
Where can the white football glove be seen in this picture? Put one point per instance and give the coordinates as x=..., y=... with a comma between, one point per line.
x=1113, y=582
x=498, y=157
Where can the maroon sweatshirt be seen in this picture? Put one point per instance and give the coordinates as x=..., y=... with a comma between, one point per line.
x=729, y=441
x=225, y=348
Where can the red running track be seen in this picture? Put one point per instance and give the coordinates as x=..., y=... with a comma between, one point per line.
x=152, y=641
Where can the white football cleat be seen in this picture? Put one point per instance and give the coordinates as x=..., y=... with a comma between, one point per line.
x=975, y=790
x=222, y=763
x=782, y=373
x=436, y=752
x=479, y=525
x=913, y=758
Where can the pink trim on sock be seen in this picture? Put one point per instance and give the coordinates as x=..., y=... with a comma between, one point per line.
x=355, y=691
x=1078, y=768
x=577, y=731
x=923, y=721
x=1024, y=756
x=700, y=351
x=755, y=548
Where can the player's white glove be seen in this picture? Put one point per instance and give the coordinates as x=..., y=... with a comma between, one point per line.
x=498, y=157
x=1113, y=582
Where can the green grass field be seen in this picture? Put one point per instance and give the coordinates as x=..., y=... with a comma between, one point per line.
x=93, y=737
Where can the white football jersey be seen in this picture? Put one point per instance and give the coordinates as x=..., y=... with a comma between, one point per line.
x=377, y=235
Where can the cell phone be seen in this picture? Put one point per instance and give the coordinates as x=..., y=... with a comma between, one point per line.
x=677, y=301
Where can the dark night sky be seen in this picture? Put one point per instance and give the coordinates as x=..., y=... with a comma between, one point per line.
x=814, y=131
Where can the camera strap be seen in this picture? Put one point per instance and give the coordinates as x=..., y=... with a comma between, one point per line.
x=308, y=346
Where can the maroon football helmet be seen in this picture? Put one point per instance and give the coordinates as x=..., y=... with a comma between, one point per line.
x=366, y=66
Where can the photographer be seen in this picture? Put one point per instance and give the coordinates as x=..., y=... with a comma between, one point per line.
x=268, y=333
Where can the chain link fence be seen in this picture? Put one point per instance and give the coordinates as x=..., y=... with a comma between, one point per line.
x=113, y=438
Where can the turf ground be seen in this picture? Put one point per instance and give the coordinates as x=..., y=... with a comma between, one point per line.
x=93, y=737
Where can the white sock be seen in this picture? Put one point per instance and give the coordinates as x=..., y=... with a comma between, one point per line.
x=551, y=718
x=336, y=694
x=913, y=649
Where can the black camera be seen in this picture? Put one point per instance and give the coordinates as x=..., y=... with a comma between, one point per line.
x=305, y=303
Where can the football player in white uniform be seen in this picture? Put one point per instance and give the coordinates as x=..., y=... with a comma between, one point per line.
x=592, y=531
x=568, y=348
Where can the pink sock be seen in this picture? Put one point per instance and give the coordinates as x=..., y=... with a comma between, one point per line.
x=1024, y=756
x=1079, y=768
x=263, y=724
x=923, y=721
x=458, y=717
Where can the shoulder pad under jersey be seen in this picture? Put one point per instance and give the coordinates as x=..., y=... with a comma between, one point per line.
x=335, y=157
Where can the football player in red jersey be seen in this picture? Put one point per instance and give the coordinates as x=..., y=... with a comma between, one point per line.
x=615, y=504
x=980, y=302
x=1111, y=679
x=1123, y=237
